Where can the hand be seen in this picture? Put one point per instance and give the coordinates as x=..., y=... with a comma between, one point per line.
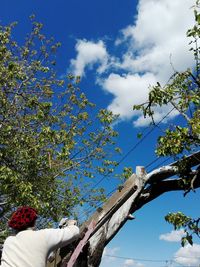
x=63, y=222
x=71, y=222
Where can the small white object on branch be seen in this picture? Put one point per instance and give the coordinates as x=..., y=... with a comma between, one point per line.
x=140, y=171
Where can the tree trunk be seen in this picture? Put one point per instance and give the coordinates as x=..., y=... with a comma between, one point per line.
x=136, y=192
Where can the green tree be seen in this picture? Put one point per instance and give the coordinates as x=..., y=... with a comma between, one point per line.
x=52, y=141
x=181, y=93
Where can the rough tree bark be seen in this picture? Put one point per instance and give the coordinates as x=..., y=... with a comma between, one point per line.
x=136, y=192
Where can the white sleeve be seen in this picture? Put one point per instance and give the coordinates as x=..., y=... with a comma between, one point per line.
x=57, y=238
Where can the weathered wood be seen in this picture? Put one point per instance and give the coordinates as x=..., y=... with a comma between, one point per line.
x=104, y=213
x=113, y=214
x=165, y=172
x=80, y=246
x=115, y=202
x=137, y=191
x=127, y=189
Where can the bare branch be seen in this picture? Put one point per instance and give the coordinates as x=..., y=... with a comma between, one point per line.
x=161, y=187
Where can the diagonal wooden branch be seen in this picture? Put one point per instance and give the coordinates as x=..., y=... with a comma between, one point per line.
x=165, y=172
x=156, y=189
x=136, y=192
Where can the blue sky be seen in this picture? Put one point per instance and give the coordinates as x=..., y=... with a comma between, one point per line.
x=120, y=47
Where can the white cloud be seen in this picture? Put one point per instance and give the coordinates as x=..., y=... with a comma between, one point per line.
x=111, y=253
x=152, y=48
x=133, y=89
x=132, y=263
x=88, y=54
x=129, y=262
x=173, y=236
x=127, y=89
x=159, y=33
x=140, y=264
x=110, y=257
x=188, y=255
x=157, y=43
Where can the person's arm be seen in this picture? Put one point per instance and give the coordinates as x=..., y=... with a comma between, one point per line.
x=57, y=238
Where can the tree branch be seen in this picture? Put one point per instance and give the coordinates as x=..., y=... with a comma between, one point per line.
x=156, y=189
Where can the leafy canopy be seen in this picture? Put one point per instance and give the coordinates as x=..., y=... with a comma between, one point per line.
x=52, y=141
x=181, y=94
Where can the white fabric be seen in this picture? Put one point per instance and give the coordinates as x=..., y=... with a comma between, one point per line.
x=31, y=248
x=63, y=222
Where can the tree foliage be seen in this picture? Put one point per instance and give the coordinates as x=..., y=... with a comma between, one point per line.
x=181, y=94
x=191, y=226
x=52, y=140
